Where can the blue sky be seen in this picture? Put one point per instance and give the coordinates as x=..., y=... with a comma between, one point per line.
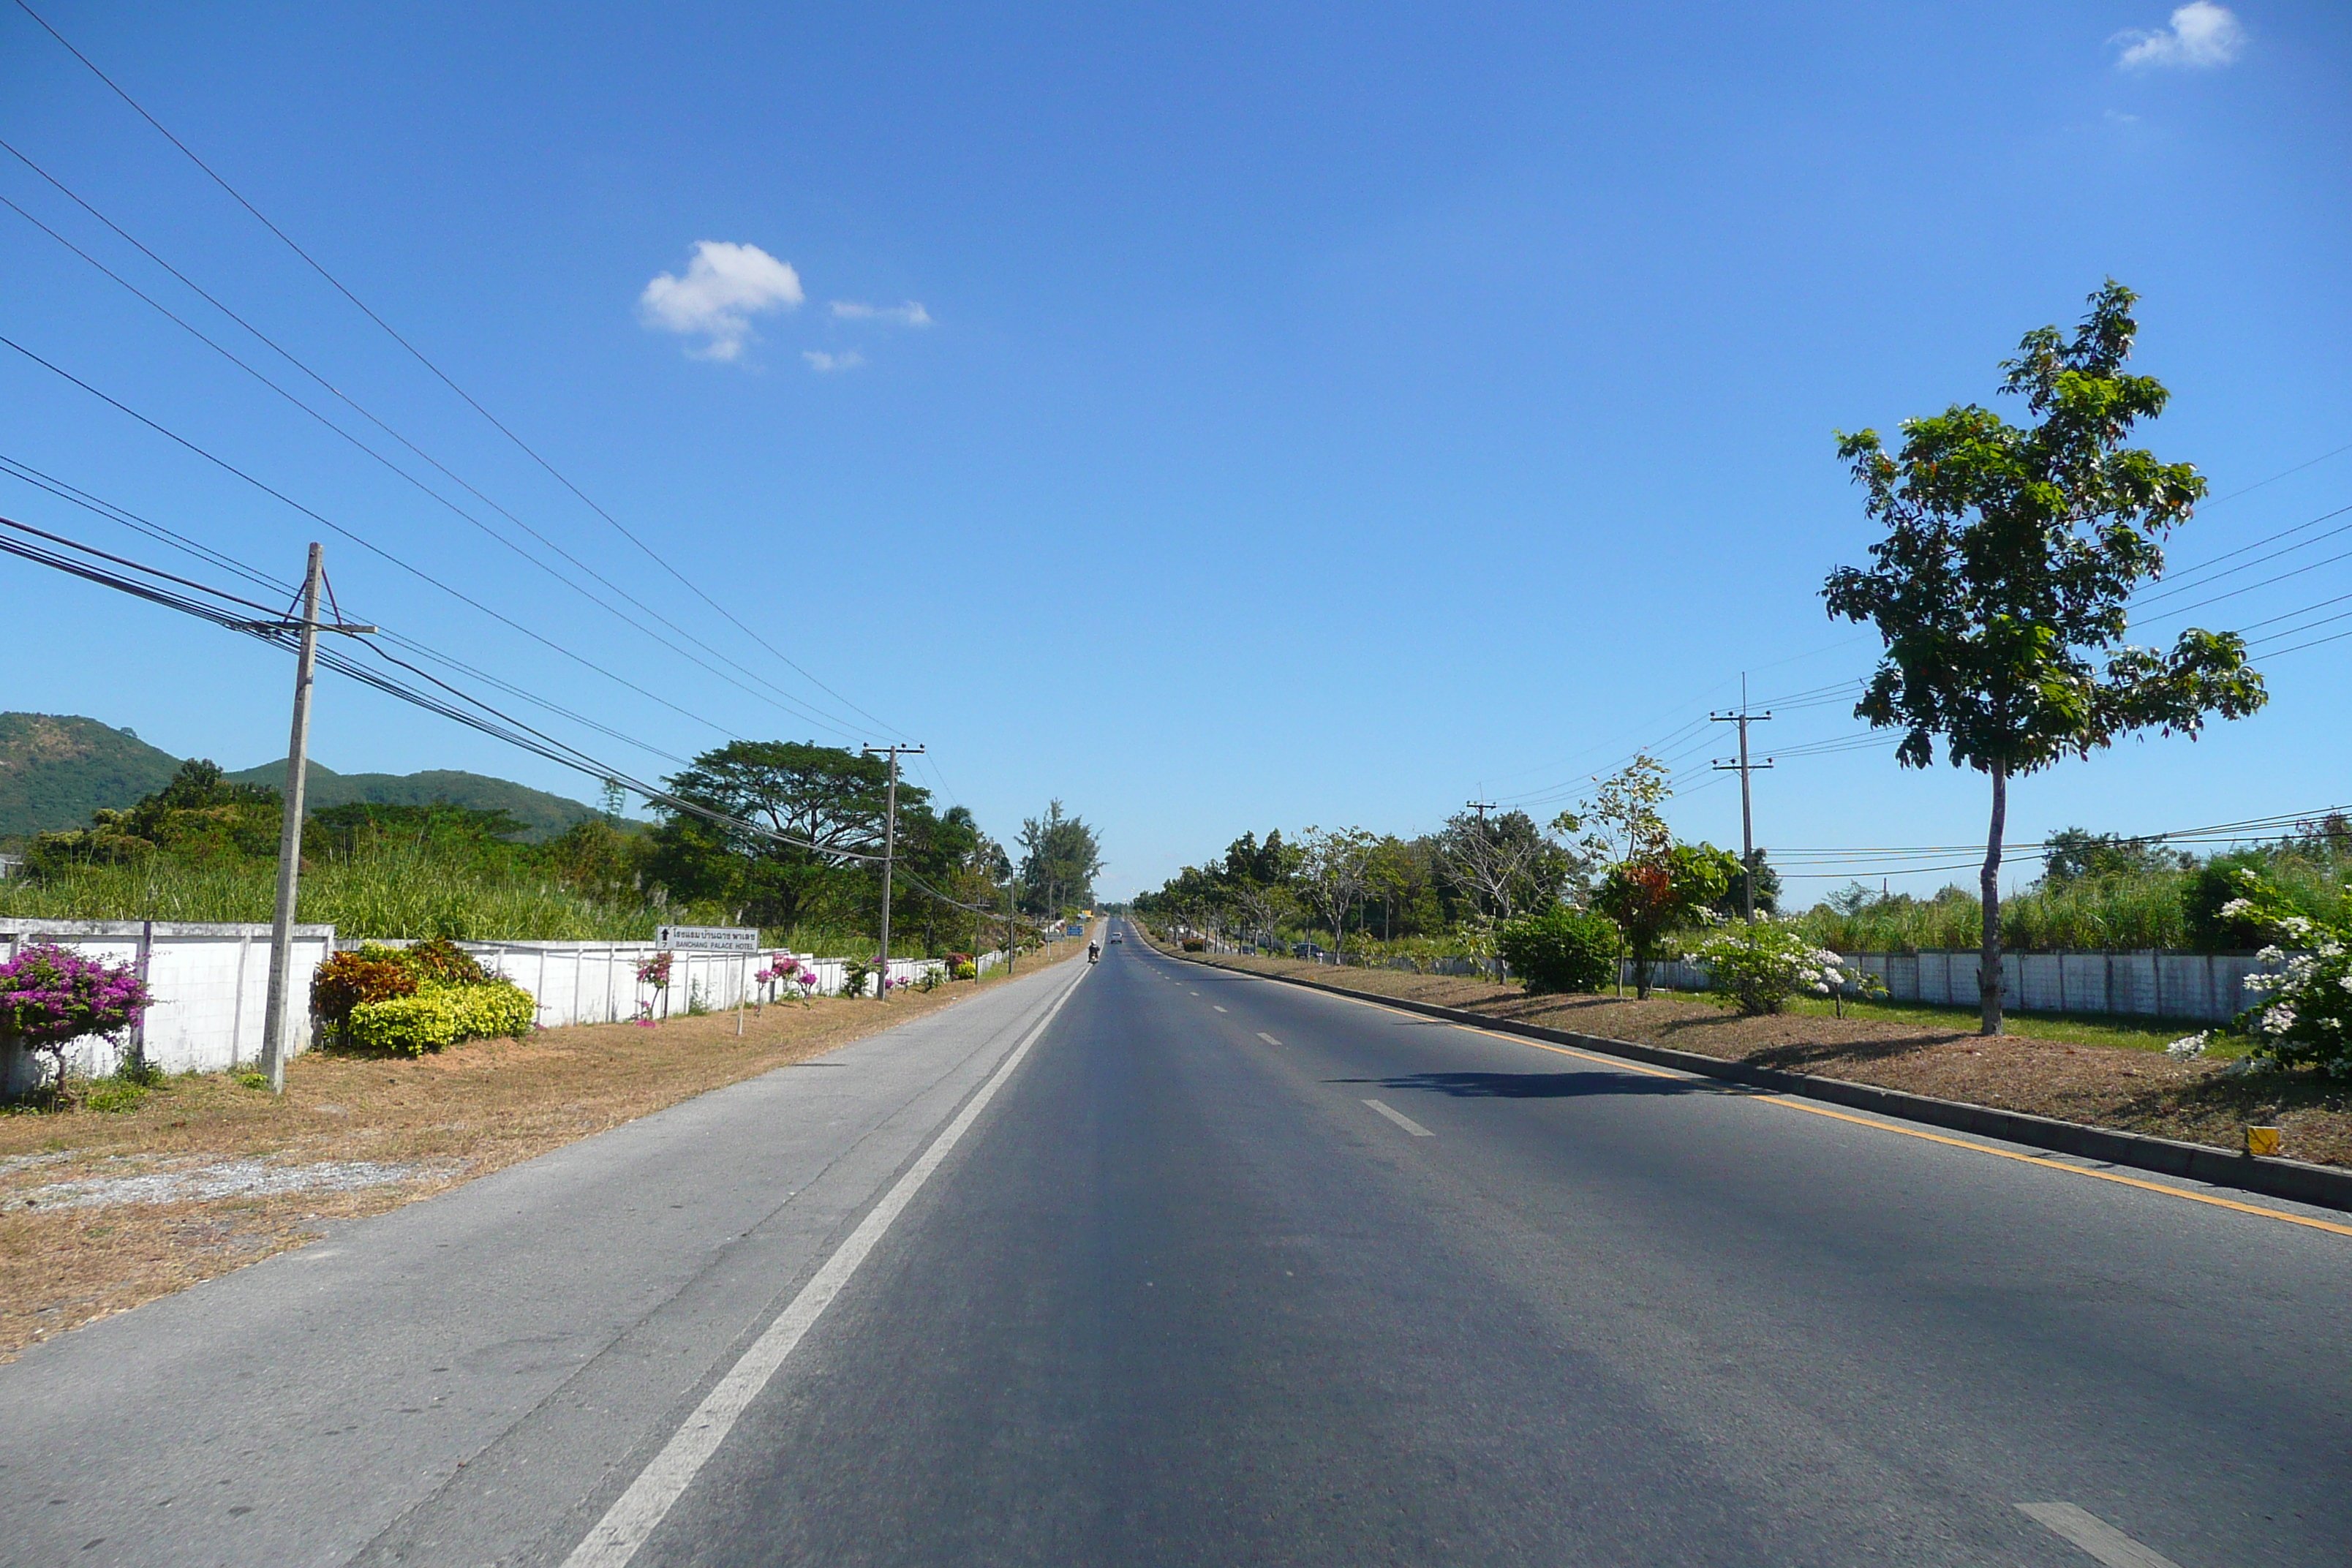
x=1311, y=415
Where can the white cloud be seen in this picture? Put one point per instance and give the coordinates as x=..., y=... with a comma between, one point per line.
x=911, y=314
x=724, y=287
x=821, y=362
x=2202, y=35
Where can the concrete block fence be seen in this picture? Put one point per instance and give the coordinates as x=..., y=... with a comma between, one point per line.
x=2201, y=987
x=210, y=984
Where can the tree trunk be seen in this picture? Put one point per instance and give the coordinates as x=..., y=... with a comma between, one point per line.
x=1988, y=887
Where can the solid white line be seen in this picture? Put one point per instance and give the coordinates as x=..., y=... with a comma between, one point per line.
x=2093, y=1535
x=1402, y=1119
x=1270, y=1039
x=631, y=1518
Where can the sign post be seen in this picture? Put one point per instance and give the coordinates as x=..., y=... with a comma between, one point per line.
x=742, y=941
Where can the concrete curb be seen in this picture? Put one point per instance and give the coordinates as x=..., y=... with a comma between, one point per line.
x=2325, y=1185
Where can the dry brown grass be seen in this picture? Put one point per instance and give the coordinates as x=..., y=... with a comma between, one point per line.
x=413, y=1127
x=2100, y=1085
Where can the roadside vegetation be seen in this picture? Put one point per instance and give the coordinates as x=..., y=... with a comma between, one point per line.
x=2000, y=591
x=203, y=848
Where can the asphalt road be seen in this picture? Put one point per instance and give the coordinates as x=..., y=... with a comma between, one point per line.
x=1207, y=1269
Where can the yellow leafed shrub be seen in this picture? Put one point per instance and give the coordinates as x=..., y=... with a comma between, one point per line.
x=440, y=1016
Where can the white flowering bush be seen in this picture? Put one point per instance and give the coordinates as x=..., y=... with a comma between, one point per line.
x=2302, y=1016
x=1756, y=968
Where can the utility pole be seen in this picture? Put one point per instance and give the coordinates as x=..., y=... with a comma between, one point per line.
x=1747, y=809
x=889, y=851
x=289, y=833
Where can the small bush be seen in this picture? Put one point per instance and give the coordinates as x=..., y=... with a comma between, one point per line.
x=349, y=979
x=438, y=1017
x=1195, y=945
x=1561, y=948
x=967, y=969
x=115, y=1093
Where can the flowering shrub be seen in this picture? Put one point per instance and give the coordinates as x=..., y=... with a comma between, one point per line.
x=654, y=970
x=1756, y=968
x=2306, y=1018
x=51, y=997
x=967, y=969
x=439, y=1015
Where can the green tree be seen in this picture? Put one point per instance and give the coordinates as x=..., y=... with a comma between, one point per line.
x=1334, y=864
x=2000, y=587
x=1059, y=858
x=827, y=802
x=1649, y=898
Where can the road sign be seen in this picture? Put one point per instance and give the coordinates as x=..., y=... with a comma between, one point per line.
x=708, y=939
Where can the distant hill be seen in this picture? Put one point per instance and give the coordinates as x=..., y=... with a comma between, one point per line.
x=547, y=815
x=54, y=770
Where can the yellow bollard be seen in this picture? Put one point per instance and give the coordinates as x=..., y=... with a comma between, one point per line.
x=2261, y=1140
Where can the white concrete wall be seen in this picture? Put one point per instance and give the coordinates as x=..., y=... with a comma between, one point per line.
x=210, y=984
x=2208, y=987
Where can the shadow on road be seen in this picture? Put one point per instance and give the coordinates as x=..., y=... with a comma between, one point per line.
x=1530, y=1085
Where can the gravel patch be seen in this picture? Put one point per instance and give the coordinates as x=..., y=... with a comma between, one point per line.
x=223, y=1179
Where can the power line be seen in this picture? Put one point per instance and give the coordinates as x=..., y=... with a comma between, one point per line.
x=790, y=704
x=271, y=627
x=362, y=540
x=441, y=375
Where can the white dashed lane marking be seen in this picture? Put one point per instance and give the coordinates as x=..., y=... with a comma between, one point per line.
x=1402, y=1119
x=1270, y=1039
x=2093, y=1535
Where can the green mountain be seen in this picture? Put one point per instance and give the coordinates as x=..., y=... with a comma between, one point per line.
x=55, y=770
x=546, y=814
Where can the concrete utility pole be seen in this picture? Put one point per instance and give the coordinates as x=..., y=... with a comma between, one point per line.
x=1747, y=811
x=889, y=851
x=289, y=833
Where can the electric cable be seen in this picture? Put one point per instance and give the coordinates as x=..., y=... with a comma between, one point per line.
x=436, y=371
x=789, y=704
x=362, y=542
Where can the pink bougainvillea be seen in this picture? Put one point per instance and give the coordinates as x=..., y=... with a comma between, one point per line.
x=51, y=997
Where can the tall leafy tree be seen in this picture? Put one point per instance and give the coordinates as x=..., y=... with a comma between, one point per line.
x=830, y=800
x=1059, y=857
x=2000, y=587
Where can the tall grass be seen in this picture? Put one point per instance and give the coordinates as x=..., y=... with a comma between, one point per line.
x=383, y=892
x=392, y=891
x=2145, y=910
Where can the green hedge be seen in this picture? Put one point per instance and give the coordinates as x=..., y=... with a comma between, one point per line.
x=439, y=1015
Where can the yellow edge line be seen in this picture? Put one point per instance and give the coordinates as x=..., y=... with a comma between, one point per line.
x=2039, y=1161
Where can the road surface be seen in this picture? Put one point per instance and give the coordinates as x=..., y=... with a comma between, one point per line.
x=1158, y=1264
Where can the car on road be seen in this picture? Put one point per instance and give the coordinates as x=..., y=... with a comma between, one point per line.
x=1116, y=939
x=1308, y=949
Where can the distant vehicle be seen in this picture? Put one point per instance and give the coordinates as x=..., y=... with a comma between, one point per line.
x=1116, y=939
x=1307, y=950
